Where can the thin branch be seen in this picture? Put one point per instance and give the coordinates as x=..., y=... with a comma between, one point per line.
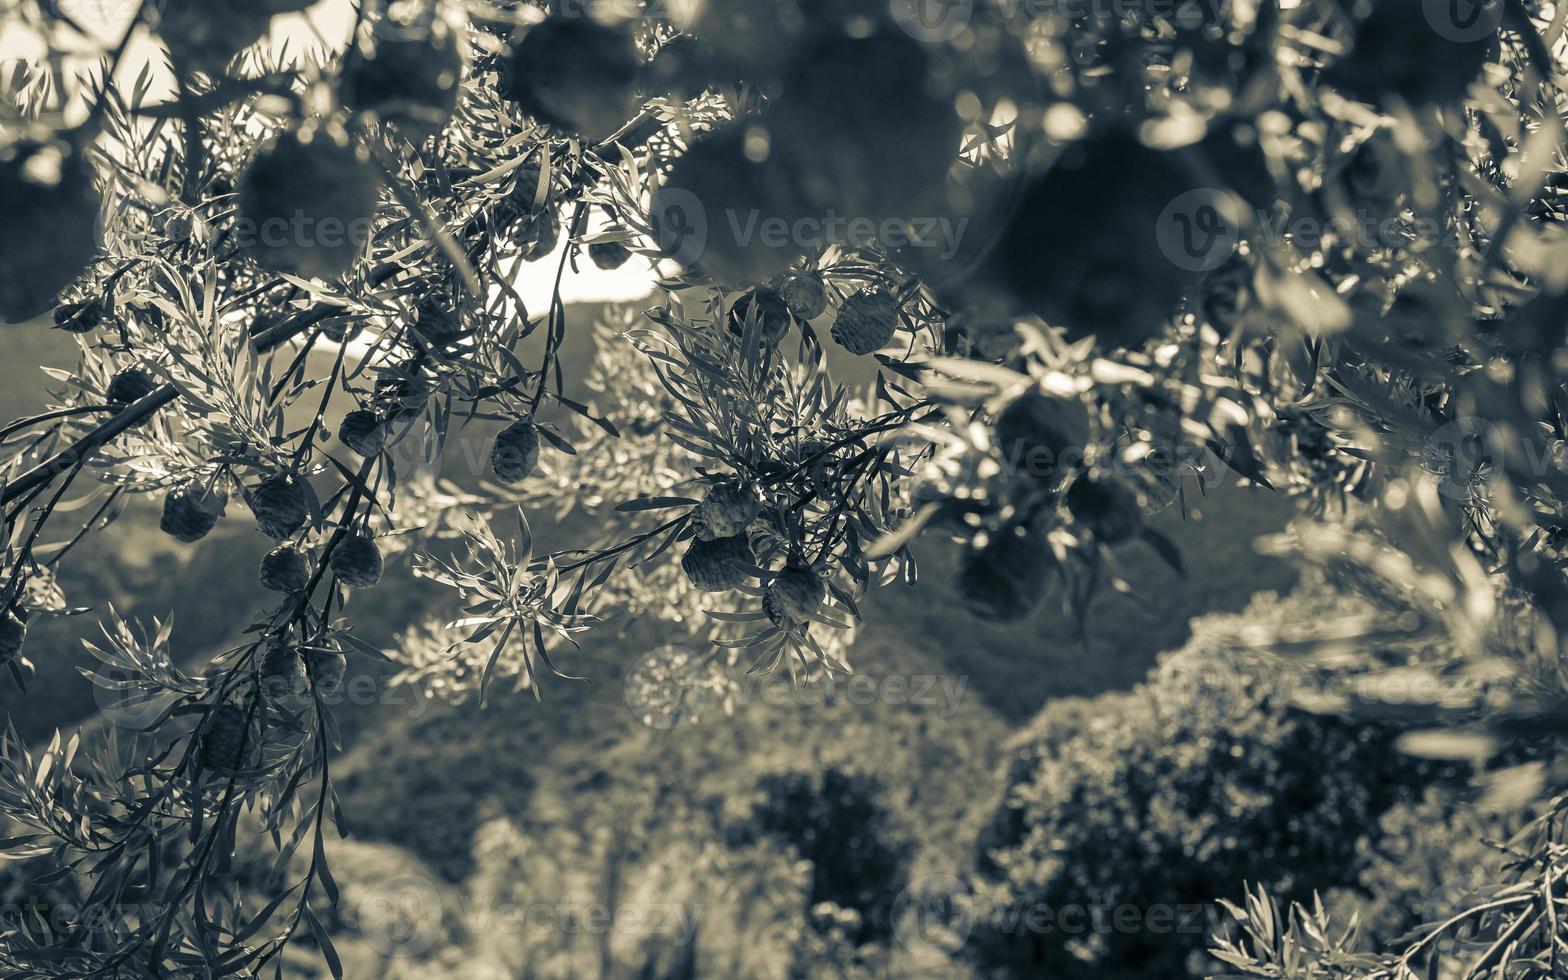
x=131, y=416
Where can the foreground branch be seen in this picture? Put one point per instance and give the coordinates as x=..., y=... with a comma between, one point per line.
x=132, y=415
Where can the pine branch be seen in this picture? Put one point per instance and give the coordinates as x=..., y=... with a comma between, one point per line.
x=130, y=417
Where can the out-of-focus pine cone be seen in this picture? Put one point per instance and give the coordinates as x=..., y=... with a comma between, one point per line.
x=1041, y=434
x=1108, y=507
x=609, y=255
x=1003, y=581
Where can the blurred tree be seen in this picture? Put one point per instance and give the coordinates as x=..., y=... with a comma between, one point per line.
x=1086, y=260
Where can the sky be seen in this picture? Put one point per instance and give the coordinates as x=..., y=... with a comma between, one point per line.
x=331, y=20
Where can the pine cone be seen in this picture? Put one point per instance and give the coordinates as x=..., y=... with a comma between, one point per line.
x=130, y=385
x=866, y=321
x=772, y=310
x=401, y=391
x=516, y=452
x=1398, y=56
x=51, y=217
x=190, y=514
x=280, y=506
x=283, y=674
x=793, y=596
x=710, y=565
x=609, y=255
x=576, y=74
x=410, y=76
x=82, y=317
x=13, y=633
x=363, y=433
x=1004, y=581
x=1040, y=434
x=1108, y=507
x=806, y=296
x=284, y=569
x=520, y=203
x=328, y=668
x=224, y=744
x=357, y=561
x=308, y=185
x=539, y=234
x=726, y=510
x=438, y=323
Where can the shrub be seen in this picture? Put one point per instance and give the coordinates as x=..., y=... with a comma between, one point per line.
x=1169, y=796
x=837, y=821
x=1429, y=859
